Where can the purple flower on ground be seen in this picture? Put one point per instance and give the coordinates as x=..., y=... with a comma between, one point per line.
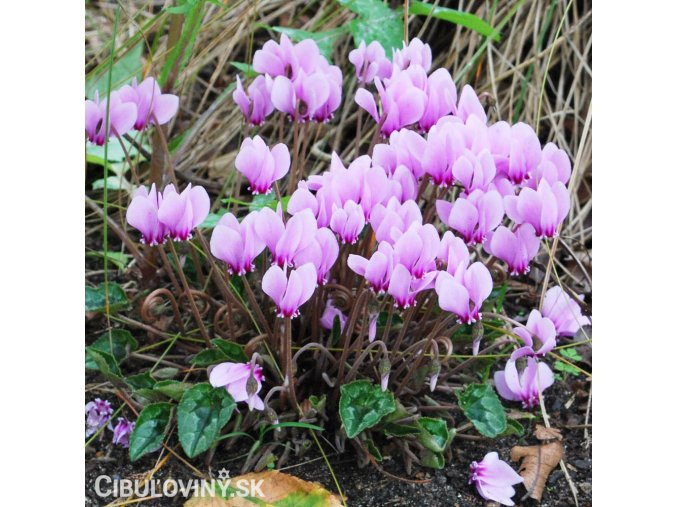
x=255, y=104
x=554, y=166
x=517, y=150
x=545, y=209
x=234, y=377
x=261, y=165
x=236, y=244
x=494, y=479
x=122, y=118
x=417, y=248
x=98, y=413
x=181, y=213
x=153, y=106
x=414, y=53
x=563, y=311
x=329, y=315
x=456, y=291
x=469, y=105
x=516, y=248
x=122, y=431
x=540, y=327
x=440, y=98
x=142, y=214
x=474, y=216
x=394, y=215
x=527, y=386
x=370, y=62
x=290, y=293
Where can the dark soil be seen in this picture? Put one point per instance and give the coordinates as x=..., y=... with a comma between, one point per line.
x=367, y=487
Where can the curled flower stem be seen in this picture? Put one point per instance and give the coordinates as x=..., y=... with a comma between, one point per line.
x=288, y=364
x=189, y=295
x=353, y=369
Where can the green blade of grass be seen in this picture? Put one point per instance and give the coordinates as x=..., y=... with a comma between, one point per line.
x=457, y=17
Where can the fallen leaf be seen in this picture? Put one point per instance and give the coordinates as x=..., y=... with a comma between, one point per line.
x=276, y=489
x=539, y=460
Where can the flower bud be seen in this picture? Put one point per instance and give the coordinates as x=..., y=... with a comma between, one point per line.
x=477, y=334
x=435, y=368
x=384, y=371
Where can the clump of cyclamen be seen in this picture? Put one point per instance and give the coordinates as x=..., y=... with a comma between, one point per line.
x=135, y=106
x=168, y=214
x=98, y=415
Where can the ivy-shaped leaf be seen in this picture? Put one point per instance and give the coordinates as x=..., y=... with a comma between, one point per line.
x=123, y=343
x=434, y=433
x=172, y=388
x=203, y=412
x=481, y=405
x=150, y=430
x=95, y=298
x=363, y=405
x=376, y=22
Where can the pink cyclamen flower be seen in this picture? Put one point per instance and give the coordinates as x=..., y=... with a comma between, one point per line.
x=454, y=252
x=234, y=377
x=142, y=214
x=310, y=96
x=330, y=314
x=402, y=103
x=554, y=166
x=236, y=244
x=469, y=105
x=98, y=413
x=322, y=253
x=563, y=311
x=456, y=292
x=122, y=118
x=122, y=431
x=153, y=106
x=545, y=209
x=395, y=215
x=290, y=293
x=494, y=479
x=373, y=322
x=414, y=53
x=404, y=288
x=440, y=100
x=181, y=213
x=417, y=248
x=255, y=104
x=526, y=387
x=473, y=217
x=285, y=240
x=376, y=270
x=444, y=150
x=347, y=222
x=540, y=327
x=262, y=165
x=475, y=172
x=370, y=62
x=516, y=248
x=516, y=149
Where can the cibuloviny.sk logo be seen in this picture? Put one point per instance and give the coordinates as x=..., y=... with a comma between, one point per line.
x=105, y=486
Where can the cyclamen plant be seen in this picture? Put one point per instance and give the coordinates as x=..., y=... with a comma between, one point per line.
x=367, y=269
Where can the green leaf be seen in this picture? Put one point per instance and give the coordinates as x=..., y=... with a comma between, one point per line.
x=95, y=298
x=116, y=154
x=481, y=405
x=183, y=50
x=567, y=368
x=123, y=343
x=376, y=22
x=233, y=351
x=571, y=353
x=107, y=365
x=203, y=412
x=125, y=69
x=118, y=258
x=513, y=428
x=141, y=381
x=400, y=430
x=165, y=373
x=269, y=200
x=453, y=16
x=434, y=433
x=432, y=459
x=245, y=68
x=373, y=450
x=363, y=405
x=172, y=388
x=150, y=429
x=212, y=219
x=325, y=40
x=208, y=357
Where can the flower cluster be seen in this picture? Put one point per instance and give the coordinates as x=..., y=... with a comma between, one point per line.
x=135, y=106
x=159, y=215
x=295, y=79
x=98, y=414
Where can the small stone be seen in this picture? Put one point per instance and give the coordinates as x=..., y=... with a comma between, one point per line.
x=586, y=487
x=554, y=476
x=583, y=464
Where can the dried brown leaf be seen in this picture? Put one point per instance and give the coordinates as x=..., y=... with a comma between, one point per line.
x=275, y=486
x=543, y=433
x=538, y=460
